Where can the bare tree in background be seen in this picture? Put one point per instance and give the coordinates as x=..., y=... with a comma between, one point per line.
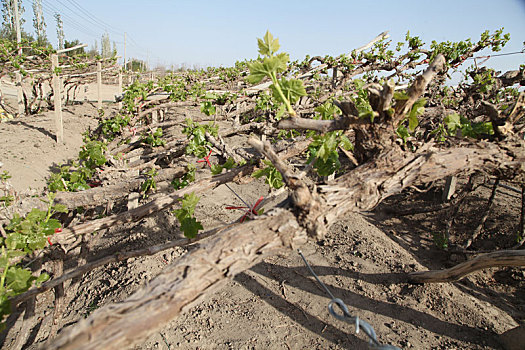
x=105, y=46
x=38, y=23
x=60, y=31
x=8, y=16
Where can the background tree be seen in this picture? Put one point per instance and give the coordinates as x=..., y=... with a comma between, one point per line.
x=93, y=50
x=75, y=52
x=60, y=31
x=106, y=46
x=8, y=16
x=135, y=65
x=39, y=24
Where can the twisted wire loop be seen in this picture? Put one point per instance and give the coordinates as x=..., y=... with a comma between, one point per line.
x=345, y=315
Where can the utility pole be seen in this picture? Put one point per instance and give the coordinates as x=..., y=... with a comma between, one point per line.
x=17, y=27
x=124, y=50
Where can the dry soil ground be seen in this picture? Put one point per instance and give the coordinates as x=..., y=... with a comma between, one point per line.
x=277, y=304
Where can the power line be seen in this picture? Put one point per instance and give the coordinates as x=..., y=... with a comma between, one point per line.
x=69, y=21
x=499, y=54
x=141, y=49
x=90, y=17
x=51, y=10
x=75, y=16
x=86, y=12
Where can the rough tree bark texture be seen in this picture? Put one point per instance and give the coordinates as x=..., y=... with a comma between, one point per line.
x=200, y=272
x=503, y=258
x=182, y=285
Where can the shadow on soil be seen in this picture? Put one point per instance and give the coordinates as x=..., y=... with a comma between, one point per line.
x=418, y=228
x=40, y=129
x=294, y=276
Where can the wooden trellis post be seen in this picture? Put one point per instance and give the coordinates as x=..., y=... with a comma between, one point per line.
x=19, y=93
x=450, y=188
x=99, y=85
x=120, y=87
x=58, y=99
x=154, y=117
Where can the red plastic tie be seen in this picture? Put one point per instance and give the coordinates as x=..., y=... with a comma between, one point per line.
x=206, y=159
x=249, y=211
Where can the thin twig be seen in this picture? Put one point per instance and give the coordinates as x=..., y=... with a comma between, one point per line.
x=478, y=229
x=106, y=260
x=522, y=220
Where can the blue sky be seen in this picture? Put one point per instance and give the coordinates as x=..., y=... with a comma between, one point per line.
x=221, y=32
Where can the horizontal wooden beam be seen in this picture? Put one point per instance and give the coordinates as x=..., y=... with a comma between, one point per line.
x=72, y=48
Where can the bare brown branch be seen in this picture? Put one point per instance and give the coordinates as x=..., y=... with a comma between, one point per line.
x=496, y=259
x=183, y=284
x=417, y=88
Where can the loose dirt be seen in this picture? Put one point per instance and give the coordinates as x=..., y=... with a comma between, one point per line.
x=277, y=304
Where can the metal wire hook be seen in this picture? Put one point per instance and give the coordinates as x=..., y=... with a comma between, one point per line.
x=346, y=316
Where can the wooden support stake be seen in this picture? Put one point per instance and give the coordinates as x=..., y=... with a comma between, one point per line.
x=19, y=93
x=44, y=91
x=99, y=85
x=133, y=197
x=450, y=188
x=334, y=77
x=58, y=99
x=120, y=88
x=154, y=117
x=521, y=232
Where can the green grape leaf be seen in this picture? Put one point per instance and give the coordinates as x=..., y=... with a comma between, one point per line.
x=279, y=62
x=329, y=165
x=230, y=163
x=216, y=169
x=327, y=111
x=268, y=45
x=190, y=226
x=18, y=279
x=281, y=112
x=35, y=242
x=273, y=177
x=257, y=72
x=50, y=227
x=268, y=66
x=42, y=278
x=328, y=147
x=483, y=128
x=60, y=208
x=402, y=132
x=260, y=173
x=190, y=202
x=453, y=122
x=292, y=89
x=15, y=240
x=400, y=96
x=417, y=109
x=345, y=143
x=180, y=214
